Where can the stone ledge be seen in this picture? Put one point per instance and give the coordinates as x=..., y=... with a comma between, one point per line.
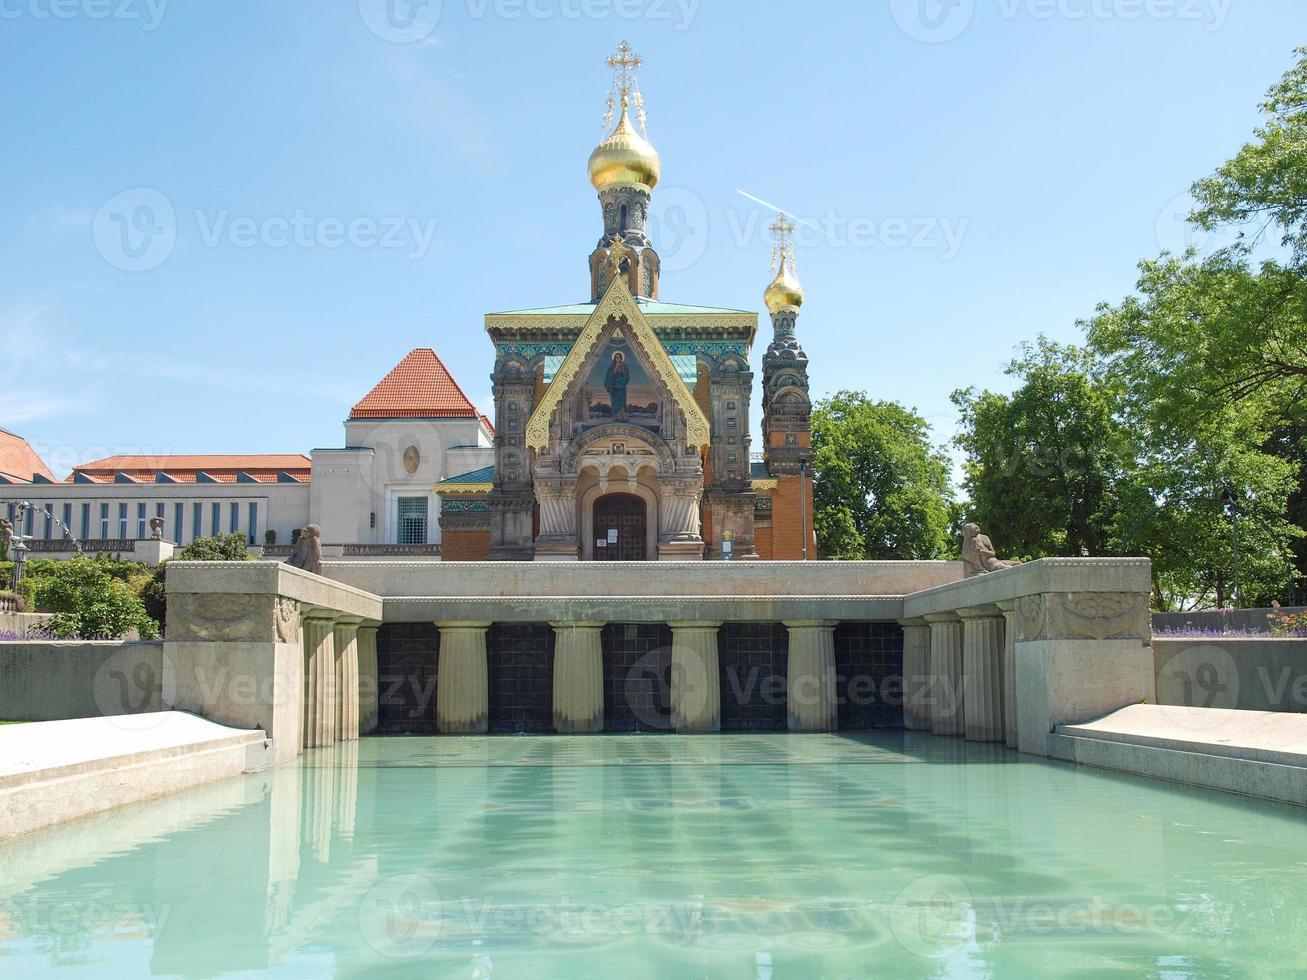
x=755, y=579
x=642, y=609
x=271, y=578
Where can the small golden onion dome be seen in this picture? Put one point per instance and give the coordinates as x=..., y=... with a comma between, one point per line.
x=784, y=290
x=625, y=157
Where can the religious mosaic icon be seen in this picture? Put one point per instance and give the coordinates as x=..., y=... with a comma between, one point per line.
x=619, y=390
x=412, y=459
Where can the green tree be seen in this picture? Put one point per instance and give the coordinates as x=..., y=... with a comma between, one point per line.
x=89, y=602
x=1208, y=496
x=1265, y=184
x=881, y=489
x=1041, y=462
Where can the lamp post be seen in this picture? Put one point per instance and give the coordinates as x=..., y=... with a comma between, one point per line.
x=1231, y=502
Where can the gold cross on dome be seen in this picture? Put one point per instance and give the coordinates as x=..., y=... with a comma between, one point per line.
x=624, y=63
x=626, y=86
x=782, y=230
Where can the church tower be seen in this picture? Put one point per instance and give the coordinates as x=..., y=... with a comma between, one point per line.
x=786, y=406
x=624, y=169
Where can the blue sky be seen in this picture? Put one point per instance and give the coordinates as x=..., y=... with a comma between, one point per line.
x=347, y=182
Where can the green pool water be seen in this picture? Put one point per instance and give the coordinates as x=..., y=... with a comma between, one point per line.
x=734, y=856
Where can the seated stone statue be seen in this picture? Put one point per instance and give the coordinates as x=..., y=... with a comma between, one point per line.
x=978, y=554
x=156, y=528
x=6, y=531
x=307, y=553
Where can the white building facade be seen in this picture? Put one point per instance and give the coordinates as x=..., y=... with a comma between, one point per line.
x=372, y=498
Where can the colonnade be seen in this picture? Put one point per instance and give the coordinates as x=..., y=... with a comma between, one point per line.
x=959, y=673
x=462, y=691
x=340, y=698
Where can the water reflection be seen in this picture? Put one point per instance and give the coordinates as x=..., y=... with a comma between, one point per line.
x=645, y=856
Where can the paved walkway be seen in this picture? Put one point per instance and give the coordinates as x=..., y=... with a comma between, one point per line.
x=1256, y=753
x=60, y=770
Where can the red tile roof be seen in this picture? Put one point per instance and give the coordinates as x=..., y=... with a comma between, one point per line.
x=18, y=460
x=186, y=469
x=418, y=387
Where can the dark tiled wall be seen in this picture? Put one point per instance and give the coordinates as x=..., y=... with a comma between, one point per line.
x=869, y=675
x=520, y=676
x=637, y=677
x=753, y=658
x=407, y=654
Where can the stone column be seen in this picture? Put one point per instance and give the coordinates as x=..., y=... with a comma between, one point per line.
x=462, y=695
x=319, y=678
x=810, y=697
x=982, y=673
x=557, y=540
x=346, y=632
x=1009, y=609
x=369, y=681
x=696, y=683
x=578, y=678
x=945, y=673
x=916, y=674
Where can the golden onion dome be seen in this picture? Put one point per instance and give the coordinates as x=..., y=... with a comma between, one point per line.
x=784, y=290
x=625, y=157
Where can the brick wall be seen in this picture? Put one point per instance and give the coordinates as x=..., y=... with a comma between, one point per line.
x=465, y=545
x=788, y=516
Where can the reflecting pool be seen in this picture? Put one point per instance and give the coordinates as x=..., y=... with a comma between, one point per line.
x=740, y=856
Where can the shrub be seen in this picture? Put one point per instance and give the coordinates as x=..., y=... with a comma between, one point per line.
x=223, y=547
x=90, y=603
x=270, y=536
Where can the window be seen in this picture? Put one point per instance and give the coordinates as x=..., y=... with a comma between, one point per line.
x=235, y=518
x=140, y=521
x=216, y=517
x=49, y=521
x=86, y=521
x=412, y=522
x=67, y=529
x=104, y=522
x=27, y=521
x=253, y=526
x=178, y=512
x=122, y=521
x=197, y=516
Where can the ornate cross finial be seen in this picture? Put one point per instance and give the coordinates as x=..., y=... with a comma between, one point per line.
x=782, y=230
x=618, y=252
x=626, y=87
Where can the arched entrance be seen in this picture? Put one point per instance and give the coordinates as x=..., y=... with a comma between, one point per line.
x=620, y=528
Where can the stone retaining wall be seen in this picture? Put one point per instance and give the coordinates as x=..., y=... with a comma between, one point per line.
x=59, y=680
x=1259, y=674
